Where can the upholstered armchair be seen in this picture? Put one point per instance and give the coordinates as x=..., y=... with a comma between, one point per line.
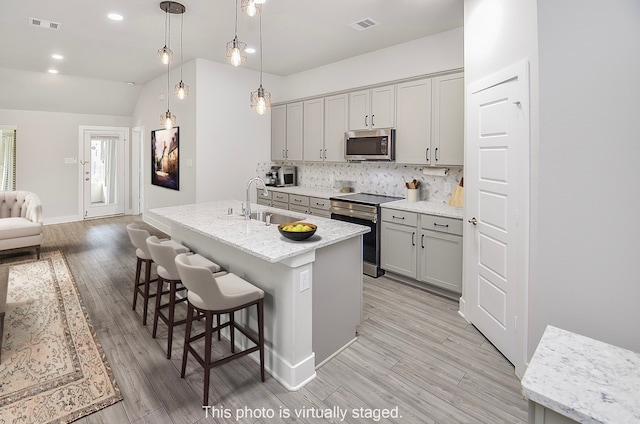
x=20, y=220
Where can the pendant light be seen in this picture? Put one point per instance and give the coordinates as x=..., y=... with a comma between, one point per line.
x=168, y=119
x=181, y=89
x=165, y=54
x=261, y=99
x=250, y=7
x=235, y=48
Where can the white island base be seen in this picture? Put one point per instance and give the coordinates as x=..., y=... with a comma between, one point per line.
x=313, y=301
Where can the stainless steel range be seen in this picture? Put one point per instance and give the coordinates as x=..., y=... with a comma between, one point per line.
x=363, y=209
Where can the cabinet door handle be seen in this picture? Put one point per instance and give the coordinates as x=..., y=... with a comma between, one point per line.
x=283, y=156
x=397, y=217
x=365, y=120
x=325, y=153
x=320, y=153
x=436, y=154
x=372, y=124
x=422, y=241
x=427, y=155
x=286, y=154
x=412, y=239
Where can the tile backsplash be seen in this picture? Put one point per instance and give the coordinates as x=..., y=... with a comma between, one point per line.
x=374, y=177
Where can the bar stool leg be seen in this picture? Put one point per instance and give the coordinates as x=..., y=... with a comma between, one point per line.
x=232, y=332
x=147, y=282
x=158, y=298
x=208, y=321
x=136, y=282
x=261, y=336
x=171, y=318
x=187, y=337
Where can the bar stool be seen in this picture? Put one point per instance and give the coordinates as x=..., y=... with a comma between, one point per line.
x=214, y=294
x=164, y=256
x=138, y=237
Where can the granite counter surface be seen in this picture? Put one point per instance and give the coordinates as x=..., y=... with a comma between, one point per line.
x=252, y=236
x=431, y=208
x=584, y=379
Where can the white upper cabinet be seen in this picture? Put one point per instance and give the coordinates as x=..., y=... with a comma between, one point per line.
x=336, y=119
x=448, y=120
x=278, y=132
x=374, y=108
x=413, y=126
x=286, y=132
x=430, y=121
x=313, y=124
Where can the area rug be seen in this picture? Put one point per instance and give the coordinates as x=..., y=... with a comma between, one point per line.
x=53, y=368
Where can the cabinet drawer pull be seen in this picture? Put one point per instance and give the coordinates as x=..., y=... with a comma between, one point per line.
x=422, y=241
x=319, y=204
x=397, y=217
x=435, y=224
x=412, y=239
x=297, y=200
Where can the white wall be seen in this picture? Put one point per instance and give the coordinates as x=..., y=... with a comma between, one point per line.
x=588, y=237
x=150, y=105
x=231, y=137
x=26, y=90
x=436, y=53
x=44, y=139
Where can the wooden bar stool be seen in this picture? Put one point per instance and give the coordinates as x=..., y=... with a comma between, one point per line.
x=214, y=294
x=138, y=238
x=164, y=256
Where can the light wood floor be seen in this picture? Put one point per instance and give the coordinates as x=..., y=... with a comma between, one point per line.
x=414, y=352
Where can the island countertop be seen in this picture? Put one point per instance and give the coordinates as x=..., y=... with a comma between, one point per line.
x=584, y=379
x=254, y=237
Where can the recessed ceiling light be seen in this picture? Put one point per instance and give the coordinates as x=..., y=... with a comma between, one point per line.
x=57, y=56
x=250, y=50
x=115, y=16
x=53, y=71
x=130, y=83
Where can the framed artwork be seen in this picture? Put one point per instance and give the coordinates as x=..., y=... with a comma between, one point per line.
x=165, y=166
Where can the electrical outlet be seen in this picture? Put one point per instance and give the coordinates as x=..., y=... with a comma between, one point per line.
x=447, y=187
x=304, y=280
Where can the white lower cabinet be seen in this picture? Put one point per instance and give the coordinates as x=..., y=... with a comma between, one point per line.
x=423, y=247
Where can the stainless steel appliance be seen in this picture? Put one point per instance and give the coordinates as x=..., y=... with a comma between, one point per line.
x=282, y=176
x=363, y=209
x=376, y=144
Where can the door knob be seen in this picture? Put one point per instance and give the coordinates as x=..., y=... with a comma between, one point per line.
x=473, y=221
x=86, y=179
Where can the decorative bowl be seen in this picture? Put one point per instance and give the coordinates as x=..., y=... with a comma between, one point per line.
x=297, y=235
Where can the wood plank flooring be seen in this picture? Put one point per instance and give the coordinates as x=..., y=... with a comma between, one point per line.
x=414, y=352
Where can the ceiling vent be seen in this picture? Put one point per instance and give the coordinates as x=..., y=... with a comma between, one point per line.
x=363, y=24
x=42, y=23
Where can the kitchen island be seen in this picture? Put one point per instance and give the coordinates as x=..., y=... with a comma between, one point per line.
x=313, y=288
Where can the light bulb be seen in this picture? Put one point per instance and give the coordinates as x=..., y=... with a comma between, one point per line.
x=181, y=90
x=252, y=9
x=181, y=94
x=236, y=58
x=165, y=55
x=259, y=1
x=168, y=124
x=261, y=106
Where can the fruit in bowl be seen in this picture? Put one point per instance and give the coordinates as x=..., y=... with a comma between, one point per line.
x=297, y=230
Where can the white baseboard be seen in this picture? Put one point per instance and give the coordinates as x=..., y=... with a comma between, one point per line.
x=62, y=219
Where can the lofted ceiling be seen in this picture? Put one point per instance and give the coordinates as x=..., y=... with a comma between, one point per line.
x=297, y=34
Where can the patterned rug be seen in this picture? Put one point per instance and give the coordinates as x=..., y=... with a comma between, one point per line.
x=53, y=368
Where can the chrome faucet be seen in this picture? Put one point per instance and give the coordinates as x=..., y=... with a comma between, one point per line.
x=247, y=206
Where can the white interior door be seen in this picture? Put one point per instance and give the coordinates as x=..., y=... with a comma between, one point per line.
x=103, y=172
x=496, y=205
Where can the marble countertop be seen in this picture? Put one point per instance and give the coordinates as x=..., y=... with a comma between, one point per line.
x=252, y=236
x=431, y=208
x=584, y=379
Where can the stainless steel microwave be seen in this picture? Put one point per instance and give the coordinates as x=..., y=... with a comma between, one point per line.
x=376, y=144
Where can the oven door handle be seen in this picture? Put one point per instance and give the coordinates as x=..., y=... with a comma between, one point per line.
x=354, y=214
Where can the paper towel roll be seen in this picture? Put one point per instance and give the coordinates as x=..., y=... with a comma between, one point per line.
x=437, y=172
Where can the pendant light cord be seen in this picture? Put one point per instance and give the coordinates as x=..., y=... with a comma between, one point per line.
x=261, y=50
x=181, y=60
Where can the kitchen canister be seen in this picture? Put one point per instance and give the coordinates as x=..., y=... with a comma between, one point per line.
x=413, y=194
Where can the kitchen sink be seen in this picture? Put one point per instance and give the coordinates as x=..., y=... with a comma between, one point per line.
x=276, y=218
